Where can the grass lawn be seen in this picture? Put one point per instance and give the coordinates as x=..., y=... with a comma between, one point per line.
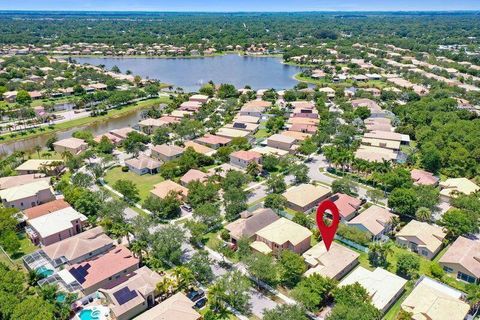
x=144, y=183
x=26, y=247
x=262, y=133
x=54, y=155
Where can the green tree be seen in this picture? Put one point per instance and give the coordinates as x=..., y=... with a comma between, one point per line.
x=408, y=265
x=263, y=267
x=8, y=224
x=378, y=253
x=292, y=267
x=23, y=98
x=33, y=308
x=300, y=172
x=313, y=291
x=459, y=222
x=344, y=185
x=285, y=312
x=105, y=146
x=200, y=264
x=167, y=245
x=403, y=201
x=276, y=183
x=253, y=169
x=83, y=180
x=128, y=189
x=227, y=91
x=275, y=202
x=423, y=214
x=209, y=214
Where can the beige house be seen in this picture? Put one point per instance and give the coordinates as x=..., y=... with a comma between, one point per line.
x=282, y=234
x=193, y=175
x=375, y=220
x=305, y=197
x=177, y=306
x=148, y=126
x=282, y=142
x=250, y=222
x=133, y=296
x=243, y=158
x=232, y=133
x=452, y=186
x=422, y=238
x=433, y=300
x=40, y=166
x=27, y=195
x=166, y=152
x=143, y=164
x=462, y=260
x=15, y=181
x=383, y=287
x=375, y=154
x=199, y=98
x=334, y=263
x=73, y=145
x=162, y=189
x=213, y=141
x=200, y=148
x=254, y=108
x=55, y=226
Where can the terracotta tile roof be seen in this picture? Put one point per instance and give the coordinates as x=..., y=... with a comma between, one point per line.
x=213, y=139
x=193, y=175
x=422, y=177
x=92, y=272
x=374, y=219
x=14, y=181
x=246, y=155
x=163, y=188
x=46, y=208
x=346, y=204
x=466, y=253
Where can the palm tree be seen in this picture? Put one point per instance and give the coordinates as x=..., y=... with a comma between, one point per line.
x=253, y=169
x=216, y=297
x=138, y=247
x=183, y=276
x=423, y=214
x=38, y=149
x=378, y=253
x=164, y=287
x=66, y=155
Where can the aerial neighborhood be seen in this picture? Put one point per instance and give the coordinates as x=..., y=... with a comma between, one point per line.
x=126, y=197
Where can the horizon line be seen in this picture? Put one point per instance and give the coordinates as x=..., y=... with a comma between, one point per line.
x=246, y=11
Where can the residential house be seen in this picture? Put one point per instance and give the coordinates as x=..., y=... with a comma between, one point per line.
x=434, y=300
x=328, y=91
x=378, y=124
x=383, y=287
x=246, y=119
x=375, y=154
x=298, y=136
x=45, y=208
x=282, y=234
x=334, y=263
x=122, y=133
x=143, y=164
x=177, y=306
x=134, y=296
x=452, y=186
x=380, y=143
x=213, y=141
x=199, y=98
x=190, y=106
x=305, y=113
x=250, y=222
x=403, y=139
x=180, y=114
x=112, y=138
x=422, y=238
x=93, y=274
x=282, y=142
x=55, y=226
x=270, y=151
x=73, y=145
x=164, y=188
x=254, y=108
x=348, y=206
x=193, y=175
x=81, y=247
x=370, y=104
x=166, y=152
x=231, y=133
x=244, y=126
x=36, y=166
x=303, y=121
x=375, y=220
x=462, y=260
x=15, y=181
x=305, y=197
x=304, y=128
x=27, y=195
x=200, y=148
x=422, y=177
x=149, y=125
x=244, y=158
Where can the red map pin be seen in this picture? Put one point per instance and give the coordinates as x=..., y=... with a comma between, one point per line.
x=328, y=232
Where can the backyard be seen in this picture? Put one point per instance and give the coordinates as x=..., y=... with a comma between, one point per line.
x=144, y=183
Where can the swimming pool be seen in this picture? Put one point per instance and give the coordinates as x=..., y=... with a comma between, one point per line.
x=94, y=313
x=44, y=271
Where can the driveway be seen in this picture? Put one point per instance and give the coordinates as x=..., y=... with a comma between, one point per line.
x=317, y=162
x=260, y=303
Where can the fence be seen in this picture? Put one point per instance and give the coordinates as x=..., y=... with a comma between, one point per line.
x=351, y=244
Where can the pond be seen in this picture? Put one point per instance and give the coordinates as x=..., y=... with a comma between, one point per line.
x=191, y=73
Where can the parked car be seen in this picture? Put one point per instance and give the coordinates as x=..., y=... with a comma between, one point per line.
x=201, y=303
x=194, y=295
x=187, y=208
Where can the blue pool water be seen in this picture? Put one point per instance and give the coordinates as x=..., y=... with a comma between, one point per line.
x=44, y=271
x=89, y=314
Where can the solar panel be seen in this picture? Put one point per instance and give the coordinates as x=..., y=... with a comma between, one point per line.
x=239, y=125
x=80, y=273
x=124, y=295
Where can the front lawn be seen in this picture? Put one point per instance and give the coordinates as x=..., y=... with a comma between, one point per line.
x=144, y=183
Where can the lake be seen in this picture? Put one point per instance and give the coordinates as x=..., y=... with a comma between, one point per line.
x=191, y=73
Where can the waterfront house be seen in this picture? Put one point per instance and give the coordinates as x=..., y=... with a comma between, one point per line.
x=143, y=164
x=73, y=145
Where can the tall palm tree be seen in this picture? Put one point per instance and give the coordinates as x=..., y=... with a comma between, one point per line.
x=38, y=149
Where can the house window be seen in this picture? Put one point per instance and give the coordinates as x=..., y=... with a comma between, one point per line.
x=465, y=277
x=425, y=253
x=447, y=269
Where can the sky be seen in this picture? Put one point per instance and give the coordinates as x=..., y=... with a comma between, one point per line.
x=240, y=5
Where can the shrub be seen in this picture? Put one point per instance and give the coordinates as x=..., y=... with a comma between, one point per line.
x=225, y=235
x=437, y=271
x=125, y=169
x=353, y=234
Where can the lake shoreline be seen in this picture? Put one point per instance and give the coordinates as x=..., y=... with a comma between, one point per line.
x=85, y=121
